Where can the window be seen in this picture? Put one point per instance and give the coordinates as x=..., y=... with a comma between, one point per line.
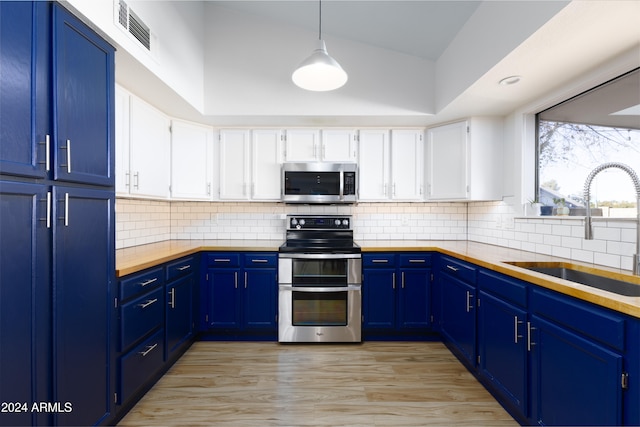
x=574, y=137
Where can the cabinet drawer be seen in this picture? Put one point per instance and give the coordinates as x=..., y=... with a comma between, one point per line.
x=223, y=260
x=181, y=267
x=379, y=260
x=141, y=316
x=257, y=260
x=143, y=282
x=508, y=289
x=592, y=321
x=139, y=365
x=459, y=269
x=418, y=260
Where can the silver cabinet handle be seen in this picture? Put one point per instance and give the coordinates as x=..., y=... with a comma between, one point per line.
x=47, y=152
x=148, y=303
x=259, y=260
x=66, y=209
x=221, y=260
x=245, y=280
x=149, y=349
x=127, y=179
x=172, y=301
x=68, y=148
x=516, y=322
x=380, y=261
x=402, y=279
x=452, y=268
x=529, y=342
x=148, y=282
x=419, y=261
x=184, y=267
x=136, y=180
x=235, y=278
x=393, y=280
x=48, y=209
x=469, y=298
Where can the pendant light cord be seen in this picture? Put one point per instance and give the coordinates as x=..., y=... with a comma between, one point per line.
x=320, y=21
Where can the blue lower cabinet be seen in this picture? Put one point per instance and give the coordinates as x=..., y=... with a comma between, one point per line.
x=396, y=295
x=180, y=305
x=139, y=365
x=239, y=295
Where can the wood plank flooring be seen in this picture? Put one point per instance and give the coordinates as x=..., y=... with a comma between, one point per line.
x=270, y=384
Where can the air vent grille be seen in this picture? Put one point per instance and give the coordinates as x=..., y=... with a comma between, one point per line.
x=133, y=24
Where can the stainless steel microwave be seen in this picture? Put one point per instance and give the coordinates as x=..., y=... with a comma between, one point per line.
x=322, y=183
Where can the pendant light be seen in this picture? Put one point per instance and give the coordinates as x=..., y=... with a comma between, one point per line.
x=319, y=72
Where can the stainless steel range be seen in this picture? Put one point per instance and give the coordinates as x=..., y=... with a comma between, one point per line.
x=319, y=277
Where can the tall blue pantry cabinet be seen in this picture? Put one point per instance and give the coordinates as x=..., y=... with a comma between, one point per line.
x=57, y=238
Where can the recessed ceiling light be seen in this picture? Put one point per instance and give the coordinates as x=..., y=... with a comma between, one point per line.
x=511, y=80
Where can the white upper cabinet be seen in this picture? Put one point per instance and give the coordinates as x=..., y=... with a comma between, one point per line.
x=373, y=165
x=339, y=145
x=302, y=145
x=143, y=141
x=234, y=164
x=464, y=160
x=250, y=162
x=123, y=177
x=390, y=165
x=313, y=145
x=191, y=161
x=407, y=175
x=266, y=153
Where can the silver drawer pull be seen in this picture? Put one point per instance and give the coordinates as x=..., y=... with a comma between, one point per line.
x=259, y=260
x=222, y=260
x=417, y=260
x=184, y=267
x=380, y=261
x=452, y=268
x=148, y=282
x=148, y=303
x=149, y=349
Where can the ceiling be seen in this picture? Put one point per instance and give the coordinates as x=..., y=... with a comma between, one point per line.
x=557, y=46
x=418, y=28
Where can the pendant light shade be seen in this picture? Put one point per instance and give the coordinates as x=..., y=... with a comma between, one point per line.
x=319, y=72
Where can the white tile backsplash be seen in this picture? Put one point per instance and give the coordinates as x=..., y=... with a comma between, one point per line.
x=498, y=223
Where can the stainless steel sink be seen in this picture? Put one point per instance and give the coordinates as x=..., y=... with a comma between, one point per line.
x=564, y=271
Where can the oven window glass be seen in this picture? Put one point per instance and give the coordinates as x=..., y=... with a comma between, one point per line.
x=319, y=308
x=325, y=272
x=315, y=183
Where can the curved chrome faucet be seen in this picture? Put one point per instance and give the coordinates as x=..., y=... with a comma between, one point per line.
x=588, y=229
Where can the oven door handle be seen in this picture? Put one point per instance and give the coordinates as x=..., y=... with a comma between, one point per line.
x=319, y=256
x=320, y=289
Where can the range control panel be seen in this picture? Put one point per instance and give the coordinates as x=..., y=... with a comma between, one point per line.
x=318, y=222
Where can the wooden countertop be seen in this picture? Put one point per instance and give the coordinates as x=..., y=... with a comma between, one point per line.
x=131, y=260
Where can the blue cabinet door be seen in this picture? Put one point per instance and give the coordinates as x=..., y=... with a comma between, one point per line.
x=379, y=299
x=414, y=298
x=24, y=300
x=224, y=298
x=24, y=87
x=179, y=313
x=574, y=381
x=83, y=73
x=260, y=302
x=459, y=315
x=502, y=338
x=83, y=275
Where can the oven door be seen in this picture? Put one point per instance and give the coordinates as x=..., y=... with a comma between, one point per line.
x=319, y=314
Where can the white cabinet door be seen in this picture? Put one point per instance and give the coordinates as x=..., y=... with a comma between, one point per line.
x=373, y=165
x=303, y=145
x=447, y=162
x=464, y=160
x=339, y=145
x=407, y=165
x=234, y=164
x=123, y=176
x=266, y=164
x=150, y=141
x=191, y=161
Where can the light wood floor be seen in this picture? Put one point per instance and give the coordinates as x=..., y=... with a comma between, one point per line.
x=270, y=384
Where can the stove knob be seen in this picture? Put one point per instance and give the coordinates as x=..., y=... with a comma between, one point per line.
x=337, y=222
x=301, y=222
x=345, y=222
x=294, y=222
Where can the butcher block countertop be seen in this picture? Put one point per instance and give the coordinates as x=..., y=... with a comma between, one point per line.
x=134, y=259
